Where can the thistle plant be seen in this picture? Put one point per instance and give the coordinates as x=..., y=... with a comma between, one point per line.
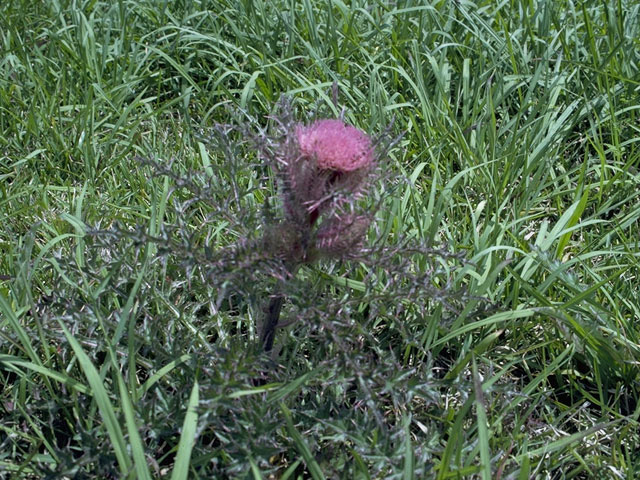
x=322, y=169
x=323, y=176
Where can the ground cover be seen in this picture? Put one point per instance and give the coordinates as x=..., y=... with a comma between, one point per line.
x=504, y=345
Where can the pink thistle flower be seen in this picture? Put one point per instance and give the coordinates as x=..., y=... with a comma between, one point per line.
x=335, y=146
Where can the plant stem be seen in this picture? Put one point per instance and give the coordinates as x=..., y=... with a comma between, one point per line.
x=271, y=322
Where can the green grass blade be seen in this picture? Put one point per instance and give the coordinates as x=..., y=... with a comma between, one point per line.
x=157, y=376
x=101, y=397
x=14, y=323
x=301, y=445
x=408, y=471
x=454, y=440
x=137, y=447
x=481, y=421
x=14, y=363
x=255, y=471
x=187, y=437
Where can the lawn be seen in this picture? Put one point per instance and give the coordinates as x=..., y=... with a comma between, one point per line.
x=486, y=325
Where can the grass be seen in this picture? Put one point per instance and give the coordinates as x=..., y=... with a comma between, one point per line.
x=119, y=359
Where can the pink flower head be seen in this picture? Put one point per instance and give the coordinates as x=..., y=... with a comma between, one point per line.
x=335, y=146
